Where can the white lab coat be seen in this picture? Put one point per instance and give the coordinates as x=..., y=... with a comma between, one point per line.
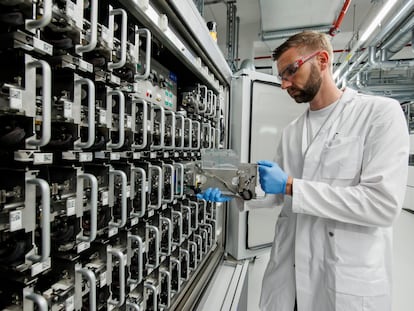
x=333, y=239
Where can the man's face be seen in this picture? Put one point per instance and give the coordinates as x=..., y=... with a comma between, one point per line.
x=309, y=90
x=299, y=75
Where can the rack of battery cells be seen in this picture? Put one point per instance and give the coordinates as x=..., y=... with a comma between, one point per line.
x=97, y=153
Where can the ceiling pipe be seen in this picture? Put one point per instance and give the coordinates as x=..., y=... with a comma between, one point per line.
x=335, y=27
x=281, y=34
x=402, y=14
x=400, y=38
x=374, y=63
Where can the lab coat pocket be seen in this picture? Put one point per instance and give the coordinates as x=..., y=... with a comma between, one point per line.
x=341, y=158
x=357, y=263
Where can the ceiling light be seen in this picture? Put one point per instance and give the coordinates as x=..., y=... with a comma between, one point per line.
x=377, y=20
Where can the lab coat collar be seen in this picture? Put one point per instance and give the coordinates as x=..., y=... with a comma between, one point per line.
x=347, y=96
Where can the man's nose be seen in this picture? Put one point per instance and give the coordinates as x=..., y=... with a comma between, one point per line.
x=285, y=84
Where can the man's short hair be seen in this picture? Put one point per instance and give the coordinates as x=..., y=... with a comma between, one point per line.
x=305, y=42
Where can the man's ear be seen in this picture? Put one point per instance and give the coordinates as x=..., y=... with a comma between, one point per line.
x=323, y=59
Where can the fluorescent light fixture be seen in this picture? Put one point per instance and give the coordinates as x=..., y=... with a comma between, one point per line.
x=377, y=20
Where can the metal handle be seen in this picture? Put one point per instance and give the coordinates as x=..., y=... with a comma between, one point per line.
x=204, y=209
x=181, y=117
x=143, y=192
x=169, y=223
x=91, y=114
x=171, y=181
x=90, y=276
x=178, y=264
x=45, y=222
x=45, y=19
x=202, y=230
x=147, y=55
x=213, y=105
x=200, y=239
x=123, y=198
x=188, y=210
x=130, y=254
x=213, y=137
x=198, y=127
x=144, y=124
x=93, y=207
x=94, y=30
x=209, y=233
x=121, y=118
x=195, y=204
x=190, y=132
x=162, y=126
x=124, y=29
x=210, y=103
x=157, y=246
x=214, y=236
x=172, y=113
x=203, y=98
x=191, y=243
x=160, y=185
x=207, y=130
x=154, y=295
x=46, y=103
x=117, y=253
x=186, y=254
x=180, y=226
x=168, y=275
x=180, y=168
x=39, y=300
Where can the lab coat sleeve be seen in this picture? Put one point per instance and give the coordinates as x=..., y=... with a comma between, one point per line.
x=377, y=199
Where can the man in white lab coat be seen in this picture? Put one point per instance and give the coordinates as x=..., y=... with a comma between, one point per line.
x=342, y=178
x=340, y=173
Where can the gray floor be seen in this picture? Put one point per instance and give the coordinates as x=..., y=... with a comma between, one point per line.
x=403, y=268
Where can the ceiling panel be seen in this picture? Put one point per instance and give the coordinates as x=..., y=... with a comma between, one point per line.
x=292, y=14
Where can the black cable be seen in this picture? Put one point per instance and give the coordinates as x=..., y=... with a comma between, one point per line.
x=408, y=210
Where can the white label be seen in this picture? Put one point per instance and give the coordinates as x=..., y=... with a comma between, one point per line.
x=136, y=155
x=43, y=158
x=16, y=99
x=112, y=231
x=150, y=213
x=85, y=157
x=153, y=155
x=67, y=110
x=70, y=303
x=102, y=279
x=82, y=246
x=42, y=46
x=128, y=121
x=128, y=191
x=70, y=8
x=134, y=221
x=85, y=66
x=15, y=220
x=166, y=154
x=102, y=116
x=115, y=156
x=146, y=186
x=41, y=266
x=105, y=198
x=114, y=79
x=70, y=207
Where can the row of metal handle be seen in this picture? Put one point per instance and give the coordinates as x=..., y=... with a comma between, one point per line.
x=183, y=122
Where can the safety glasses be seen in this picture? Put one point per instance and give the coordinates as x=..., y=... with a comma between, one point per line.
x=291, y=69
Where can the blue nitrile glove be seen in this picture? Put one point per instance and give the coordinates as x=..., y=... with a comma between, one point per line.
x=213, y=195
x=272, y=178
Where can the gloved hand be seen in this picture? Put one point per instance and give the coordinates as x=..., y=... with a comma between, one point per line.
x=272, y=178
x=213, y=195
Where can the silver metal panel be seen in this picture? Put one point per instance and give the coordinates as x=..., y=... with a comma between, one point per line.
x=260, y=109
x=197, y=25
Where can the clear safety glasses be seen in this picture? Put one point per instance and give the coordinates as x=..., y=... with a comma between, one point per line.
x=291, y=69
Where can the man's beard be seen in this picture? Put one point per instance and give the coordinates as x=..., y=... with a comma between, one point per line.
x=311, y=88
